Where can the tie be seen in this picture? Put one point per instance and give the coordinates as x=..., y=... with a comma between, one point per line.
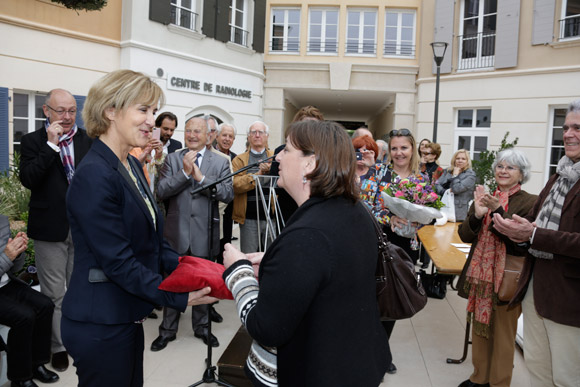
x=197, y=157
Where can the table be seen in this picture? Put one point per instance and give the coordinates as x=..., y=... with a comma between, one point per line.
x=447, y=259
x=436, y=241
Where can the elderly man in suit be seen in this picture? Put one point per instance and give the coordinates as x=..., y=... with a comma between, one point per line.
x=49, y=157
x=188, y=215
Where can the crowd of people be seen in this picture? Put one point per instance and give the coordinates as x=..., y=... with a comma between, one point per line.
x=113, y=207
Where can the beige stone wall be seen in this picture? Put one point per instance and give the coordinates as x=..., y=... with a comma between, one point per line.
x=51, y=17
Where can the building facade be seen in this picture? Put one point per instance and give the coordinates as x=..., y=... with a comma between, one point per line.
x=511, y=66
x=354, y=60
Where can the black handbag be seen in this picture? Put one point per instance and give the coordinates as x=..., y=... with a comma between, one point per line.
x=435, y=284
x=400, y=294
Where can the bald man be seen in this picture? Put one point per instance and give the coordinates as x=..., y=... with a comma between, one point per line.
x=49, y=157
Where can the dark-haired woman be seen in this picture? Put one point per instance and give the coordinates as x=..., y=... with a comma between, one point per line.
x=316, y=301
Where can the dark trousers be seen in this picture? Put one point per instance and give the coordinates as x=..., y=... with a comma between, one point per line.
x=28, y=313
x=105, y=355
x=227, y=227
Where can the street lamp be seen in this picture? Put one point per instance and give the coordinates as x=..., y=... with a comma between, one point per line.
x=439, y=49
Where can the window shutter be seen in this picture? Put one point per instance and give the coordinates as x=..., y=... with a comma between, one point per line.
x=507, y=33
x=222, y=25
x=160, y=11
x=80, y=104
x=209, y=18
x=4, y=138
x=543, y=23
x=259, y=25
x=444, y=14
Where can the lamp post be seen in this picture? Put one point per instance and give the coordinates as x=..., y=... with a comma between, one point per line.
x=439, y=49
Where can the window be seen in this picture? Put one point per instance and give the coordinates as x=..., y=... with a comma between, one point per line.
x=477, y=40
x=183, y=14
x=472, y=131
x=323, y=30
x=557, y=147
x=570, y=23
x=400, y=33
x=361, y=32
x=238, y=28
x=27, y=115
x=285, y=30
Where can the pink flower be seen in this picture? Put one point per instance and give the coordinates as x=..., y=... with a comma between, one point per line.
x=434, y=195
x=399, y=194
x=419, y=187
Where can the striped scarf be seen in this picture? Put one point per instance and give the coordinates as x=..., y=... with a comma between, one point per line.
x=64, y=143
x=549, y=215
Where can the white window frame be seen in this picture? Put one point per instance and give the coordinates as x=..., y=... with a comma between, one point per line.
x=561, y=22
x=398, y=43
x=179, y=8
x=472, y=131
x=360, y=38
x=33, y=122
x=480, y=60
x=234, y=10
x=550, y=139
x=286, y=26
x=323, y=27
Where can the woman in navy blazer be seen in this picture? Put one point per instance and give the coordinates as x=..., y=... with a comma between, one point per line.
x=117, y=230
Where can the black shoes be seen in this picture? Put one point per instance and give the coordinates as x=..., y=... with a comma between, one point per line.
x=24, y=383
x=60, y=361
x=45, y=376
x=391, y=369
x=214, y=315
x=161, y=342
x=469, y=383
x=204, y=336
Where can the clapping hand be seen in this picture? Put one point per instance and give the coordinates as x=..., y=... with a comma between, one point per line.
x=16, y=246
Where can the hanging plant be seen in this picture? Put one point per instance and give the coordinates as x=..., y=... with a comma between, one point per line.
x=79, y=5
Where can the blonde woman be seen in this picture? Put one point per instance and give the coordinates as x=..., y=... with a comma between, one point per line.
x=460, y=179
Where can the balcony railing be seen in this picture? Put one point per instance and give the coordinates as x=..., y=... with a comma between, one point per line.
x=278, y=44
x=318, y=46
x=358, y=47
x=239, y=36
x=402, y=49
x=476, y=50
x=184, y=17
x=570, y=27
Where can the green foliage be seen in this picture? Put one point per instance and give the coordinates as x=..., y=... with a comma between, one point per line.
x=14, y=197
x=482, y=167
x=83, y=5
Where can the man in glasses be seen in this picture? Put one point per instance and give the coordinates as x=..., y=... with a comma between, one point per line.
x=49, y=157
x=246, y=203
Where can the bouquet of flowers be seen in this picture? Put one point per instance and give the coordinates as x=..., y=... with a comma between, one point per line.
x=413, y=200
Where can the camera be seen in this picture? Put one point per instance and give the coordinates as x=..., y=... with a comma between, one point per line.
x=359, y=156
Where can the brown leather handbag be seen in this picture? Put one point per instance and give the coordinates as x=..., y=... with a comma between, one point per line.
x=511, y=276
x=400, y=293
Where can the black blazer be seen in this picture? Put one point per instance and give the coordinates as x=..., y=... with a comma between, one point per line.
x=42, y=172
x=173, y=145
x=119, y=248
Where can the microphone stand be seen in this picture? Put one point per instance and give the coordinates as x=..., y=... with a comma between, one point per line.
x=209, y=375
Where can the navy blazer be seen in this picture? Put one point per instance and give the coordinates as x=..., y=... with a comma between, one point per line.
x=119, y=249
x=42, y=172
x=173, y=145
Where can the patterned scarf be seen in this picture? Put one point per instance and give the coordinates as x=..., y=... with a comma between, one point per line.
x=64, y=143
x=549, y=215
x=485, y=272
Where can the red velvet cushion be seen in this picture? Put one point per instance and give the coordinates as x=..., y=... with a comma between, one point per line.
x=194, y=273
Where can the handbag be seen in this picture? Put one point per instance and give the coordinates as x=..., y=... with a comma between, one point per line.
x=448, y=199
x=435, y=284
x=511, y=276
x=400, y=294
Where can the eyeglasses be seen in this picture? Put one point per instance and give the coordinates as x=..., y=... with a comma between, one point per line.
x=255, y=133
x=62, y=112
x=508, y=168
x=400, y=132
x=426, y=153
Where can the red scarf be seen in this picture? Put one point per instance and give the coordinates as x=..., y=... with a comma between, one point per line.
x=485, y=272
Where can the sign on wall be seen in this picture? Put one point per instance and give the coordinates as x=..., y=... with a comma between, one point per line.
x=202, y=85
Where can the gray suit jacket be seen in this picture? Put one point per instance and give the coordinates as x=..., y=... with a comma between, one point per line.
x=187, y=225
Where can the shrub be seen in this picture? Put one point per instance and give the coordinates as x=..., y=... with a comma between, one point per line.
x=482, y=167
